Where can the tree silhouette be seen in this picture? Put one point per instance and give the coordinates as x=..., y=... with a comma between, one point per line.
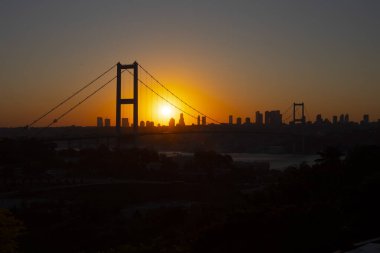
x=330, y=156
x=10, y=229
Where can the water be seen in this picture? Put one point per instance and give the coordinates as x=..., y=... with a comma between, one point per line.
x=276, y=161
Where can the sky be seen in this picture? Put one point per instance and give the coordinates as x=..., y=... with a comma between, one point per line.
x=222, y=57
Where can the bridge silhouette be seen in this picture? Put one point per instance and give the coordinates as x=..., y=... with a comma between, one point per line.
x=170, y=98
x=145, y=85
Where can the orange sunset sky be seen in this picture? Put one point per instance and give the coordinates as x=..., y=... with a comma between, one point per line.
x=222, y=57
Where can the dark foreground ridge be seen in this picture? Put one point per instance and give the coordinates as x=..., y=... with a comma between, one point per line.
x=137, y=200
x=223, y=138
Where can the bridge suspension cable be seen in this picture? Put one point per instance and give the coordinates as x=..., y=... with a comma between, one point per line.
x=70, y=97
x=152, y=90
x=286, y=115
x=291, y=115
x=184, y=102
x=78, y=104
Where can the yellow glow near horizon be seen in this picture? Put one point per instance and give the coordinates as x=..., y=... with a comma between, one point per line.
x=166, y=111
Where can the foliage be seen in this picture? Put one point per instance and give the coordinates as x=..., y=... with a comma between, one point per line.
x=10, y=229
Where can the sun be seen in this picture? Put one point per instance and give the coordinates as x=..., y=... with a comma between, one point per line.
x=166, y=111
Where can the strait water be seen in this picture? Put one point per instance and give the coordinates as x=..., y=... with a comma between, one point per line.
x=276, y=161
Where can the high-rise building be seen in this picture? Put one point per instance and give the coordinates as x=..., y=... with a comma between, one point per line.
x=199, y=120
x=267, y=118
x=259, y=118
x=124, y=122
x=238, y=121
x=341, y=119
x=142, y=123
x=107, y=122
x=181, y=121
x=276, y=118
x=230, y=119
x=346, y=118
x=318, y=119
x=365, y=119
x=247, y=121
x=203, y=120
x=99, y=122
x=172, y=122
x=335, y=119
x=273, y=118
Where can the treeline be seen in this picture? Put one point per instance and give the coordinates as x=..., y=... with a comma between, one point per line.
x=214, y=207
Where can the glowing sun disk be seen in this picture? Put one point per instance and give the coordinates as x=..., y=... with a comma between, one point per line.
x=166, y=111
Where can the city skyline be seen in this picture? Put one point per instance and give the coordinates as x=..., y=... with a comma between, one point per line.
x=230, y=58
x=274, y=118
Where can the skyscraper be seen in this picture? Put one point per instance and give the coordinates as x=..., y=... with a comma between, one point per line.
x=318, y=119
x=341, y=119
x=107, y=122
x=276, y=118
x=259, y=118
x=99, y=122
x=203, y=120
x=365, y=119
x=238, y=121
x=172, y=122
x=230, y=120
x=125, y=122
x=273, y=118
x=346, y=118
x=181, y=121
x=267, y=118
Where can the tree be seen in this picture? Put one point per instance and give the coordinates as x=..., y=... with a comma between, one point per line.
x=10, y=229
x=330, y=156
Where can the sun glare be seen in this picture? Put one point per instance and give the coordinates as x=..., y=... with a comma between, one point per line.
x=166, y=111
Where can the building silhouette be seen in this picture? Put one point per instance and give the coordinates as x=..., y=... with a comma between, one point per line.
x=230, y=120
x=99, y=122
x=365, y=119
x=347, y=118
x=150, y=123
x=199, y=120
x=238, y=121
x=318, y=119
x=247, y=121
x=341, y=119
x=203, y=120
x=259, y=118
x=172, y=122
x=124, y=122
x=335, y=120
x=181, y=121
x=267, y=117
x=273, y=118
x=107, y=122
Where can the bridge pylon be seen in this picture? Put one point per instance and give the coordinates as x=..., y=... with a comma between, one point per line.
x=302, y=119
x=133, y=101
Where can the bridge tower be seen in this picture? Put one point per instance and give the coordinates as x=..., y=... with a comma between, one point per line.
x=133, y=101
x=302, y=119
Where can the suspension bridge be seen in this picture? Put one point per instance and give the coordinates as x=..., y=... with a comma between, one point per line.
x=144, y=90
x=138, y=94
